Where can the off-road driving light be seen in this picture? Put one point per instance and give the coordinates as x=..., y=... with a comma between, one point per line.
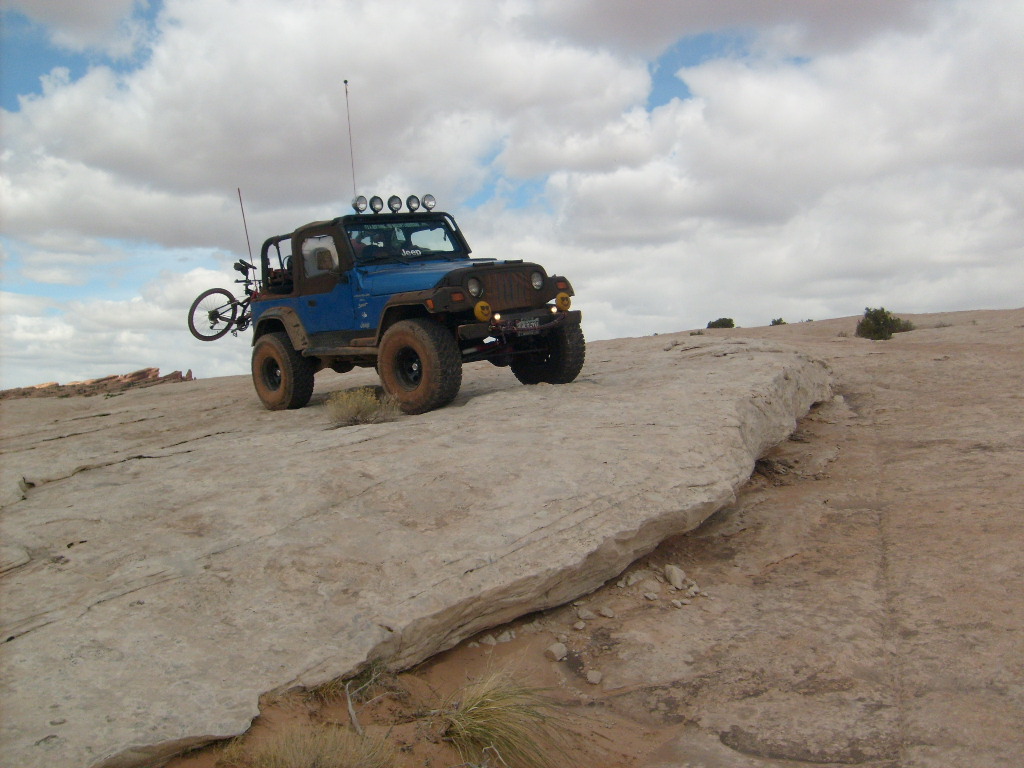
x=475, y=287
x=496, y=317
x=429, y=202
x=563, y=302
x=554, y=310
x=359, y=204
x=412, y=203
x=537, y=280
x=482, y=310
x=395, y=203
x=376, y=204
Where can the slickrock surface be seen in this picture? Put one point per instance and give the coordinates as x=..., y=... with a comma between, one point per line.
x=171, y=553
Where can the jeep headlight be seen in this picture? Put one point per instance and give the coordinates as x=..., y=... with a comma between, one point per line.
x=537, y=280
x=475, y=287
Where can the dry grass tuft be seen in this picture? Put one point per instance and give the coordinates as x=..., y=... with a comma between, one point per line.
x=306, y=746
x=372, y=681
x=498, y=722
x=366, y=405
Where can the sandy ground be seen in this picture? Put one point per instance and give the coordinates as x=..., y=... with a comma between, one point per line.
x=860, y=604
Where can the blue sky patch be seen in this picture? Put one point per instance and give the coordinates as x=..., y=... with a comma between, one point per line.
x=688, y=52
x=26, y=54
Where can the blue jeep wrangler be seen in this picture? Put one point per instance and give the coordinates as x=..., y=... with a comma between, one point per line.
x=399, y=291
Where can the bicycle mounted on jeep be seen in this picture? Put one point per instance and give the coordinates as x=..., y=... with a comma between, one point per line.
x=399, y=291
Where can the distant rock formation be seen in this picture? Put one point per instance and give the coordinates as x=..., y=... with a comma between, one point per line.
x=145, y=377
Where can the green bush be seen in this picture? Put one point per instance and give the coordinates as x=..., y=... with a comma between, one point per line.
x=722, y=322
x=778, y=321
x=880, y=324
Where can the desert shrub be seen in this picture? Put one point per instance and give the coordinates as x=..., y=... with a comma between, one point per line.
x=722, y=322
x=366, y=405
x=778, y=321
x=880, y=324
x=309, y=746
x=497, y=719
x=373, y=680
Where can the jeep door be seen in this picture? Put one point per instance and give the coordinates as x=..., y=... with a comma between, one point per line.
x=324, y=302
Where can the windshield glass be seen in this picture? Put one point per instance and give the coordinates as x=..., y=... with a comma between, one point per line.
x=402, y=240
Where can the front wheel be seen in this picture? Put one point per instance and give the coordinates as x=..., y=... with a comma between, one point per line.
x=558, y=361
x=283, y=378
x=212, y=314
x=420, y=365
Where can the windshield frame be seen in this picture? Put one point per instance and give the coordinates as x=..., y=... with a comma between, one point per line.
x=383, y=238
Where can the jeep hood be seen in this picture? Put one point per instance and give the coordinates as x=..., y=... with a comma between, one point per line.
x=387, y=279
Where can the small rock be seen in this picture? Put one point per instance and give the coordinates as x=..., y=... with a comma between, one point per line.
x=579, y=626
x=676, y=576
x=650, y=595
x=594, y=677
x=506, y=637
x=556, y=651
x=472, y=644
x=488, y=640
x=586, y=614
x=677, y=603
x=607, y=612
x=636, y=577
x=562, y=638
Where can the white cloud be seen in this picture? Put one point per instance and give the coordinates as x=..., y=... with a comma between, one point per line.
x=76, y=25
x=859, y=153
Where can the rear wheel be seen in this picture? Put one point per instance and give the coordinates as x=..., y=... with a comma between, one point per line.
x=420, y=365
x=212, y=314
x=558, y=361
x=283, y=378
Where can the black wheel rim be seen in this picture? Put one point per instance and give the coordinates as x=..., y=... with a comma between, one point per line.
x=409, y=368
x=271, y=374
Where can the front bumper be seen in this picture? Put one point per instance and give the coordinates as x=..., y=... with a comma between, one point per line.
x=529, y=322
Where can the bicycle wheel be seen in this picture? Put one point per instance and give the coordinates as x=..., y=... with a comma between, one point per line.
x=212, y=314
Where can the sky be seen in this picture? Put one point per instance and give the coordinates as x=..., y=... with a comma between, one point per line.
x=678, y=161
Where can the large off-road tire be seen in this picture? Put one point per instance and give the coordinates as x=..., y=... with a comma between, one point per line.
x=420, y=365
x=283, y=378
x=559, y=361
x=212, y=314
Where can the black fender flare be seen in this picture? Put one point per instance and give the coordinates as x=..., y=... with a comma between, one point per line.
x=288, y=319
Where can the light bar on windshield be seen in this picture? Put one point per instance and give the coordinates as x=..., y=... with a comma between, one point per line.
x=376, y=203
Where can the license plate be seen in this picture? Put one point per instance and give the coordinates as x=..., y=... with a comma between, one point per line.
x=528, y=326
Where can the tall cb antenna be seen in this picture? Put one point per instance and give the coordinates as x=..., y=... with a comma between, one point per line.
x=240, y=205
x=351, y=154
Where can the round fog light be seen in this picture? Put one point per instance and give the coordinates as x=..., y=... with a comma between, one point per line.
x=429, y=202
x=359, y=204
x=395, y=203
x=376, y=204
x=412, y=203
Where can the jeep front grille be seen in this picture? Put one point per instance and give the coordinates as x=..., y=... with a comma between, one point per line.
x=509, y=290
